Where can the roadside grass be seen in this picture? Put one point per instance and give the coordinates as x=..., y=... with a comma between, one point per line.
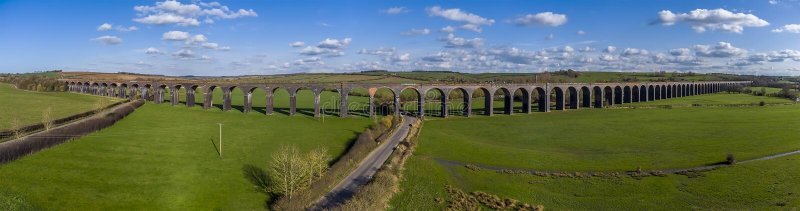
x=27, y=106
x=166, y=158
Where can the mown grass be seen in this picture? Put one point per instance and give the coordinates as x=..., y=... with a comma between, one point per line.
x=713, y=99
x=614, y=140
x=27, y=106
x=166, y=158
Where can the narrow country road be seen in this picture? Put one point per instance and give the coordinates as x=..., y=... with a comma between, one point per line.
x=368, y=167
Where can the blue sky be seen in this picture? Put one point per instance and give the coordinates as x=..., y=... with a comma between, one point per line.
x=256, y=37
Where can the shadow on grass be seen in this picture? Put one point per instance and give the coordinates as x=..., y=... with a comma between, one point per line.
x=215, y=146
x=261, y=182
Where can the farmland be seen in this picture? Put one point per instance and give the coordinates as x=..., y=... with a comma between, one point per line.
x=27, y=106
x=613, y=140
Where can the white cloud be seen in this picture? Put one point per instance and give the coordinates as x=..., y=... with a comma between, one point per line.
x=773, y=2
x=586, y=49
x=109, y=40
x=174, y=12
x=607, y=58
x=790, y=28
x=634, y=52
x=550, y=37
x=334, y=43
x=175, y=36
x=210, y=45
x=610, y=49
x=297, y=44
x=104, y=27
x=473, y=22
x=127, y=29
x=198, y=38
x=163, y=19
x=680, y=52
x=542, y=19
x=414, y=32
x=152, y=50
x=448, y=29
x=451, y=41
x=401, y=57
x=395, y=10
x=184, y=54
x=716, y=19
x=581, y=32
x=722, y=49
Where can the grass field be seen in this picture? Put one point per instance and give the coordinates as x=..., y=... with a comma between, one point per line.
x=713, y=99
x=166, y=158
x=614, y=140
x=27, y=106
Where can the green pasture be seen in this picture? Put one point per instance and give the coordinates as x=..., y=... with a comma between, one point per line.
x=166, y=158
x=27, y=106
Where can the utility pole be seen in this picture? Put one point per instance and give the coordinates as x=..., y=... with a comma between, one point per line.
x=220, y=140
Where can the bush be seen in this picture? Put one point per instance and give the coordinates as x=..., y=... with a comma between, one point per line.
x=730, y=159
x=762, y=103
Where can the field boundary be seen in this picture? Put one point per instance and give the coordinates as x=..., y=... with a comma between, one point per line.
x=633, y=173
x=18, y=148
x=5, y=134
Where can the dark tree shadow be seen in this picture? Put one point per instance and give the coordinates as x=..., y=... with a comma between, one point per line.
x=258, y=177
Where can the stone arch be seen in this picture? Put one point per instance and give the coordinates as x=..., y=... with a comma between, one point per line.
x=358, y=102
x=618, y=95
x=465, y=107
x=634, y=93
x=667, y=91
x=304, y=100
x=574, y=97
x=208, y=97
x=507, y=99
x=522, y=95
x=658, y=92
x=598, y=96
x=233, y=98
x=415, y=97
x=586, y=97
x=542, y=100
x=279, y=106
x=608, y=93
x=384, y=101
x=161, y=91
x=434, y=102
x=557, y=95
x=488, y=100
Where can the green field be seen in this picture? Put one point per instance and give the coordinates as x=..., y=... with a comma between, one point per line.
x=165, y=158
x=27, y=106
x=602, y=140
x=713, y=99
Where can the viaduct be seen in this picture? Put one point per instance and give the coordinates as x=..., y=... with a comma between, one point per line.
x=591, y=95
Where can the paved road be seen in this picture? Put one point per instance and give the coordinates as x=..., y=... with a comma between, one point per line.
x=368, y=167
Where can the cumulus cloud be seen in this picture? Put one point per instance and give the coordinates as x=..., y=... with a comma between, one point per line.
x=581, y=32
x=328, y=47
x=395, y=10
x=127, y=29
x=448, y=29
x=586, y=49
x=387, y=54
x=104, y=27
x=175, y=35
x=297, y=44
x=152, y=50
x=680, y=52
x=541, y=19
x=451, y=41
x=550, y=37
x=610, y=49
x=790, y=28
x=210, y=45
x=184, y=54
x=472, y=22
x=607, y=58
x=174, y=12
x=109, y=40
x=415, y=32
x=717, y=19
x=198, y=38
x=634, y=52
x=722, y=49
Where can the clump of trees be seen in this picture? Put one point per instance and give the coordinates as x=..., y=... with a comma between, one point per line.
x=36, y=83
x=291, y=171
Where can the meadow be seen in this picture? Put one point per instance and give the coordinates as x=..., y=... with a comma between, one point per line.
x=27, y=106
x=614, y=140
x=162, y=157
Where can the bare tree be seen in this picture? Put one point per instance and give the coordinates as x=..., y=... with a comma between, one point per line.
x=288, y=171
x=47, y=118
x=16, y=128
x=317, y=160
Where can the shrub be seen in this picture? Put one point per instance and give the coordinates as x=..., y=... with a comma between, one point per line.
x=762, y=103
x=730, y=159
